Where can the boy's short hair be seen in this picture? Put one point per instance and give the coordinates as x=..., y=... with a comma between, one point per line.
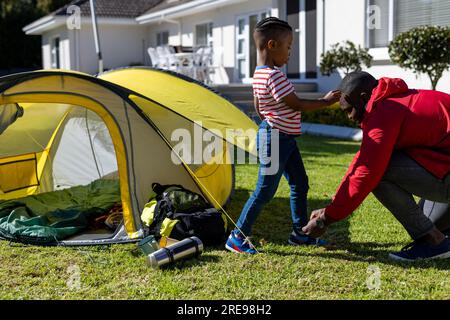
x=271, y=28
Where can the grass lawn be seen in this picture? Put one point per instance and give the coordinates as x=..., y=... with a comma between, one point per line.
x=360, y=248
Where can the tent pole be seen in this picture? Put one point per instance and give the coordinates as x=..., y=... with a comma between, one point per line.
x=96, y=37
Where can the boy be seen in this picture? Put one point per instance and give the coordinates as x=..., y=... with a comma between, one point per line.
x=279, y=107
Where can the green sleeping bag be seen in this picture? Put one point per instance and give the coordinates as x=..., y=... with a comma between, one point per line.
x=50, y=217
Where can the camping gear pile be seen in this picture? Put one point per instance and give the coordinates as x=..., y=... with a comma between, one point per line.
x=77, y=136
x=177, y=213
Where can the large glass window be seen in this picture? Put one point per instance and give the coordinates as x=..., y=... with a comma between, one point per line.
x=378, y=23
x=204, y=34
x=387, y=18
x=246, y=53
x=162, y=38
x=412, y=13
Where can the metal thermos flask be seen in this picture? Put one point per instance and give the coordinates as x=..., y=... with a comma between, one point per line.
x=185, y=249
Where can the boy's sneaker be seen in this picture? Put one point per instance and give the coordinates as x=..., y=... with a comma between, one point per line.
x=238, y=244
x=301, y=239
x=421, y=250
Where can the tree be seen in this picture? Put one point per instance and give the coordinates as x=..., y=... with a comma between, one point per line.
x=346, y=57
x=17, y=50
x=424, y=49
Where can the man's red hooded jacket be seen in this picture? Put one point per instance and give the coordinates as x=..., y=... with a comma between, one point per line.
x=397, y=118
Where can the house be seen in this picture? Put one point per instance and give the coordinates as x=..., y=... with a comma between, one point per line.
x=69, y=44
x=128, y=28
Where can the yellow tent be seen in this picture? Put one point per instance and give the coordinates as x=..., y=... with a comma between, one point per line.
x=77, y=129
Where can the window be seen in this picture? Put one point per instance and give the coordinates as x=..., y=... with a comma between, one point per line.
x=246, y=53
x=55, y=53
x=241, y=49
x=162, y=38
x=413, y=13
x=378, y=23
x=203, y=34
x=387, y=18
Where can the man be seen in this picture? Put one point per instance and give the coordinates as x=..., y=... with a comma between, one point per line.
x=405, y=151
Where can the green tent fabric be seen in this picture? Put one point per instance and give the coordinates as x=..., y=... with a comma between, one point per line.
x=52, y=216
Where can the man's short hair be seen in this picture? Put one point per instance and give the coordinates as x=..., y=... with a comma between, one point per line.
x=358, y=81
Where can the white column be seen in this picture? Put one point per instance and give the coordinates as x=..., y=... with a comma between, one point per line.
x=302, y=24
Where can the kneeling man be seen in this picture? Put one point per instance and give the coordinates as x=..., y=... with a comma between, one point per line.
x=405, y=151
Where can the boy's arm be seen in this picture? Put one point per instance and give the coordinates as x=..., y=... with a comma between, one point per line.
x=297, y=104
x=256, y=104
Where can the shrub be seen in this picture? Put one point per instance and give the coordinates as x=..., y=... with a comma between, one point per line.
x=346, y=57
x=424, y=49
x=333, y=116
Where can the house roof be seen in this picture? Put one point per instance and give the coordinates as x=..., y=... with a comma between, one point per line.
x=118, y=10
x=166, y=4
x=112, y=8
x=175, y=9
x=121, y=11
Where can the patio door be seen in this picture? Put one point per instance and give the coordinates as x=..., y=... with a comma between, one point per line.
x=246, y=53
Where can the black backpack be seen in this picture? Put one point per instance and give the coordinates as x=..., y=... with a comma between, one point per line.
x=195, y=216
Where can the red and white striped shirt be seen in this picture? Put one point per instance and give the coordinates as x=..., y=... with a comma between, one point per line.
x=270, y=86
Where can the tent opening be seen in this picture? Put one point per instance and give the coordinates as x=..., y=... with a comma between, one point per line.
x=59, y=178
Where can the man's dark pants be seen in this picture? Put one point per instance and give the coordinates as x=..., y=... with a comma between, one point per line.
x=405, y=178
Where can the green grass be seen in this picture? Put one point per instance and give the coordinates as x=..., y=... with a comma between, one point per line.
x=281, y=272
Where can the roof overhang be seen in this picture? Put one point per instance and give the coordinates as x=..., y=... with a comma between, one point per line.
x=182, y=10
x=44, y=24
x=52, y=22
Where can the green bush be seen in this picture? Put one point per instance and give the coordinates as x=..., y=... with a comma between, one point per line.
x=346, y=57
x=332, y=116
x=424, y=49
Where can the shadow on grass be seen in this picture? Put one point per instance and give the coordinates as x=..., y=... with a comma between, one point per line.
x=311, y=145
x=186, y=264
x=361, y=252
x=274, y=225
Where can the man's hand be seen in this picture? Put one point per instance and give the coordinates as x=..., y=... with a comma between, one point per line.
x=332, y=97
x=318, y=224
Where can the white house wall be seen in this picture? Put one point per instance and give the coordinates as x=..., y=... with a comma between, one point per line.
x=345, y=20
x=121, y=46
x=124, y=44
x=224, y=20
x=64, y=44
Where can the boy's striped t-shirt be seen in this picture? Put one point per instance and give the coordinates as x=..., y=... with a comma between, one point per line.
x=270, y=86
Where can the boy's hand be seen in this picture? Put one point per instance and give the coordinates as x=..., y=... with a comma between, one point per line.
x=332, y=97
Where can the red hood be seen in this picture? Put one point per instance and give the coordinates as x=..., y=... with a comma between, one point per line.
x=386, y=88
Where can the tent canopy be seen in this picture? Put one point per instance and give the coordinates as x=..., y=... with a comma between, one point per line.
x=76, y=129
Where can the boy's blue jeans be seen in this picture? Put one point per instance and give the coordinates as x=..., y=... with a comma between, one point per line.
x=290, y=164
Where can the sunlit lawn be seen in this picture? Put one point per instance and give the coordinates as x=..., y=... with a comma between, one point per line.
x=348, y=270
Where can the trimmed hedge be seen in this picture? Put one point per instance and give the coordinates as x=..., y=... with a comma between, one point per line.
x=332, y=116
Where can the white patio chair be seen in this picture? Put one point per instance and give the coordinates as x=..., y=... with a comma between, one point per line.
x=168, y=55
x=163, y=62
x=203, y=63
x=154, y=57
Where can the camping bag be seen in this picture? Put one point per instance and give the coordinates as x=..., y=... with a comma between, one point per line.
x=179, y=213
